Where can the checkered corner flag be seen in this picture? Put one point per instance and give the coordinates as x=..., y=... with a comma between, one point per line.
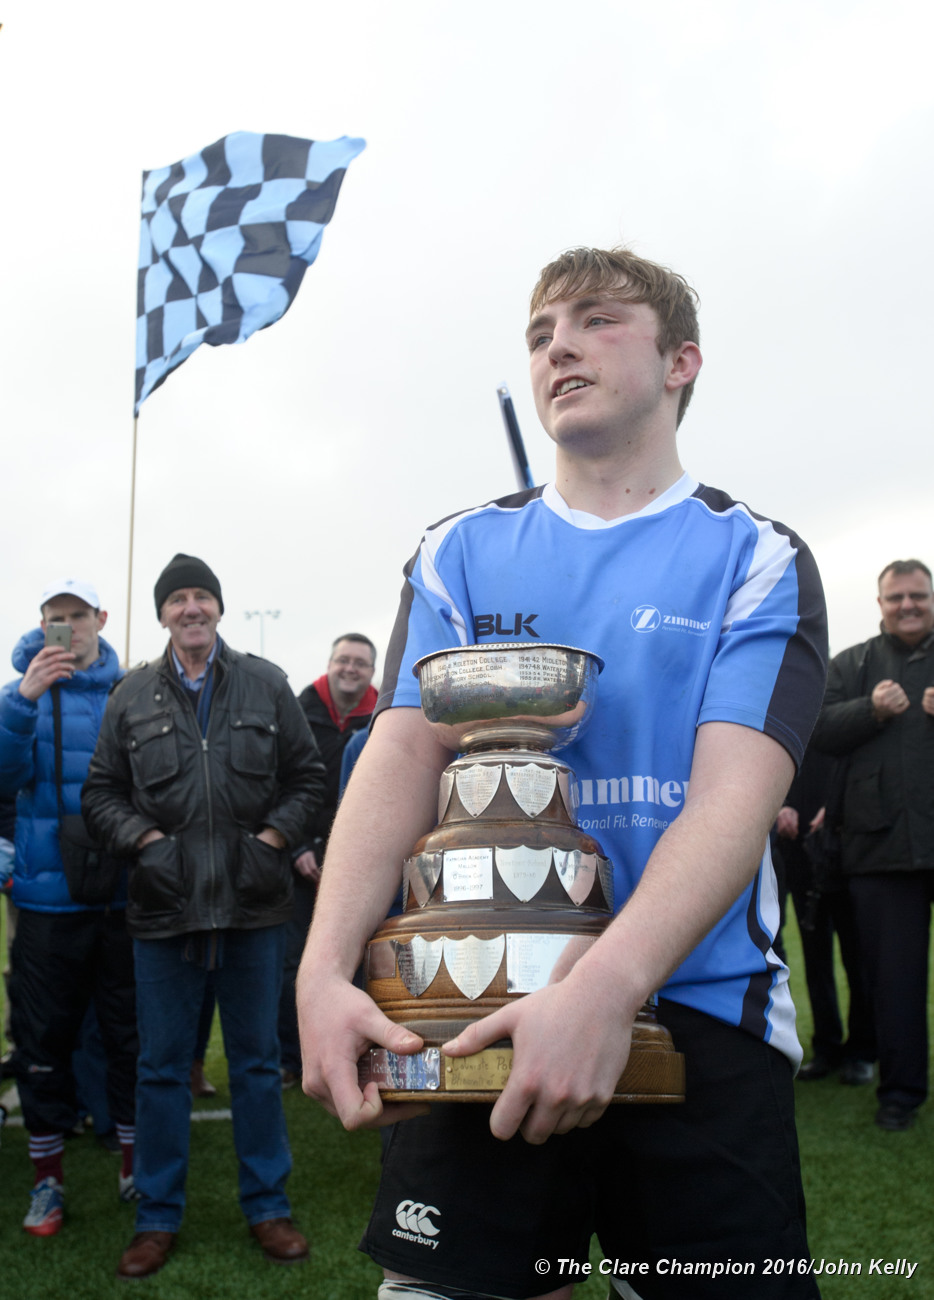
x=225, y=238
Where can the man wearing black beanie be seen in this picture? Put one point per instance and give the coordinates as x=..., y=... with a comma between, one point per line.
x=186, y=571
x=206, y=774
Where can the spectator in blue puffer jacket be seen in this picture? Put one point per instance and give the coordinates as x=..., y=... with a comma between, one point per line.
x=64, y=955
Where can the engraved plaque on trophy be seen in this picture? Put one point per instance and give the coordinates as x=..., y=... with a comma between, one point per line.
x=507, y=892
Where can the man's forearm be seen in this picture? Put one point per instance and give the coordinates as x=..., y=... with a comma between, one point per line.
x=391, y=800
x=704, y=860
x=566, y=1063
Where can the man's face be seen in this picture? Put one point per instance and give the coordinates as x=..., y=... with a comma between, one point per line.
x=191, y=615
x=597, y=373
x=907, y=605
x=350, y=671
x=85, y=624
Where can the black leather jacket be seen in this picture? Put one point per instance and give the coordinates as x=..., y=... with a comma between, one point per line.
x=257, y=766
x=887, y=818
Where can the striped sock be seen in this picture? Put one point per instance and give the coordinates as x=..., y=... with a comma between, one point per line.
x=126, y=1136
x=45, y=1152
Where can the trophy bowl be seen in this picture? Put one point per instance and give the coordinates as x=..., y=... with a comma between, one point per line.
x=531, y=694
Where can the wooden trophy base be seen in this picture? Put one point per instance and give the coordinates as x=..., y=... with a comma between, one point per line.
x=654, y=1072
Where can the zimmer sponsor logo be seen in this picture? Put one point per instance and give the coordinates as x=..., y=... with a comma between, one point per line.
x=646, y=618
x=414, y=1223
x=606, y=792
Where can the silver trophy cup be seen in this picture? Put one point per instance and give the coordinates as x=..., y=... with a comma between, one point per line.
x=507, y=892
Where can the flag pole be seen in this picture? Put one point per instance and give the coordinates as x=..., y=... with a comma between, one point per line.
x=129, y=581
x=516, y=446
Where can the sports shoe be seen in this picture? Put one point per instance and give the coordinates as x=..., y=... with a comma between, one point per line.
x=855, y=1073
x=126, y=1188
x=45, y=1211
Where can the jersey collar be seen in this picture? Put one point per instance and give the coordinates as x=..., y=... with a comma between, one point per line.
x=555, y=502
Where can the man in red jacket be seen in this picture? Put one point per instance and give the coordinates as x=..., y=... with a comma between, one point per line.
x=339, y=703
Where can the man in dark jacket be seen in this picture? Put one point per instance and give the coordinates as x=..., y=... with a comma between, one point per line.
x=878, y=713
x=64, y=954
x=337, y=705
x=206, y=774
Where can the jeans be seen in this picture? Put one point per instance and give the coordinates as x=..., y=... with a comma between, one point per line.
x=170, y=992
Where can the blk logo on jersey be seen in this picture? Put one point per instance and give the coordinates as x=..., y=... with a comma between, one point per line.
x=504, y=624
x=415, y=1223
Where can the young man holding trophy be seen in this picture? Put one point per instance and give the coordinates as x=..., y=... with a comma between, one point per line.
x=710, y=625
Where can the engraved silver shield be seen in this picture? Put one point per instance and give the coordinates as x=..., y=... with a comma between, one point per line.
x=444, y=792
x=473, y=963
x=605, y=872
x=477, y=784
x=524, y=870
x=468, y=873
x=530, y=959
x=577, y=872
x=422, y=874
x=532, y=786
x=418, y=961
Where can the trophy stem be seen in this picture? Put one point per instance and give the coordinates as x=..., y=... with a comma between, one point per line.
x=511, y=735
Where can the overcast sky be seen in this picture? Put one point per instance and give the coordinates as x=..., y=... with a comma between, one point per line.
x=779, y=155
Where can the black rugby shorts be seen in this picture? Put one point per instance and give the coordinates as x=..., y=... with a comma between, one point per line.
x=693, y=1201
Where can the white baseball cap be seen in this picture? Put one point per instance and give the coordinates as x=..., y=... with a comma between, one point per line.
x=71, y=587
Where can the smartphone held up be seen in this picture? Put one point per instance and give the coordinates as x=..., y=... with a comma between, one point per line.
x=58, y=634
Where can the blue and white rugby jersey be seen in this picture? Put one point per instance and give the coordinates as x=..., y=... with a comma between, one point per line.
x=702, y=612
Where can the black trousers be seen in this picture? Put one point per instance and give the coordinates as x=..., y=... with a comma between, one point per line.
x=818, y=919
x=893, y=914
x=296, y=932
x=60, y=963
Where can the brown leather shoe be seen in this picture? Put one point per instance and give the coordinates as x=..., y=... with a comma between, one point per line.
x=200, y=1086
x=280, y=1242
x=146, y=1254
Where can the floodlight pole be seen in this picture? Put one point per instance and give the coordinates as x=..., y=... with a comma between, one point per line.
x=262, y=615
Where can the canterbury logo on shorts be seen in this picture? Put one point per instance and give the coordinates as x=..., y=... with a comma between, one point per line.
x=415, y=1224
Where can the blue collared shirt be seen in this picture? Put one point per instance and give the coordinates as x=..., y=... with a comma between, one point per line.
x=195, y=683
